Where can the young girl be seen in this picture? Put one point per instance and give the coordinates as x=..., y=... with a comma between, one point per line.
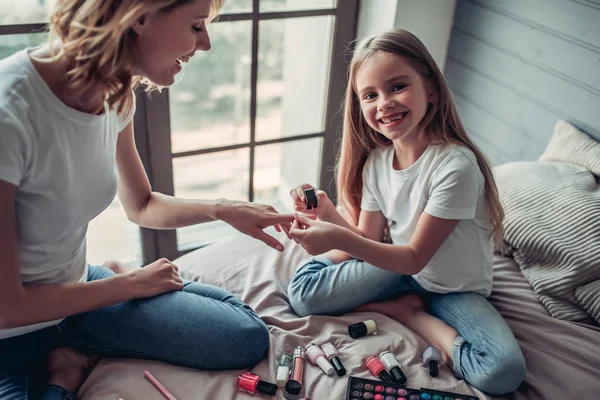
x=406, y=159
x=65, y=136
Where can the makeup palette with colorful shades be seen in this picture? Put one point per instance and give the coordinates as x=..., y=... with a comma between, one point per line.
x=367, y=389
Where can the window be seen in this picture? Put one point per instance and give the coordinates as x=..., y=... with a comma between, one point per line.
x=255, y=116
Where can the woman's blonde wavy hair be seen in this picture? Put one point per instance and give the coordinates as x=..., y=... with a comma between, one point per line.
x=97, y=39
x=441, y=124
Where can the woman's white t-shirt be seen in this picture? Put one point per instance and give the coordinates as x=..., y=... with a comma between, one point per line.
x=445, y=182
x=63, y=164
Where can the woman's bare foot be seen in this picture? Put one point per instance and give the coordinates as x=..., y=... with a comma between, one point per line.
x=117, y=267
x=68, y=368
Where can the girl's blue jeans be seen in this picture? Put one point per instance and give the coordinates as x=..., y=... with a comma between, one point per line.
x=485, y=354
x=201, y=326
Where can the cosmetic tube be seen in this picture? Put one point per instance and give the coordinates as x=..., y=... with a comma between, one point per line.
x=251, y=383
x=298, y=364
x=377, y=368
x=283, y=369
x=332, y=355
x=317, y=357
x=392, y=366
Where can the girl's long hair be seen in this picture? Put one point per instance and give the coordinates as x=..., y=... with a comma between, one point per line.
x=97, y=39
x=441, y=124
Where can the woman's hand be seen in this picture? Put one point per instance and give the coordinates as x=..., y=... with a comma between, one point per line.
x=252, y=218
x=160, y=277
x=317, y=237
x=325, y=207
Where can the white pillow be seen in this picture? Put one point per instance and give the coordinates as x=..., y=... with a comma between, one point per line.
x=571, y=145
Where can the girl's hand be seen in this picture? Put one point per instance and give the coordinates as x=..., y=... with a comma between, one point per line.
x=157, y=278
x=252, y=218
x=317, y=237
x=324, y=205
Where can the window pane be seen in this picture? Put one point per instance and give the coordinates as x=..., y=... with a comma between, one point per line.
x=281, y=167
x=294, y=59
x=295, y=5
x=24, y=11
x=10, y=44
x=210, y=103
x=210, y=176
x=111, y=236
x=236, y=6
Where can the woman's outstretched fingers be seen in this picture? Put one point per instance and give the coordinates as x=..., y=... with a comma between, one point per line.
x=267, y=239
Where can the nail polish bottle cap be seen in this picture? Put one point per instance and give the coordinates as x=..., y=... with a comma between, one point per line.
x=266, y=388
x=325, y=365
x=293, y=387
x=368, y=327
x=283, y=373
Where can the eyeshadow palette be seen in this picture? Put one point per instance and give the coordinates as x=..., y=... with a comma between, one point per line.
x=367, y=389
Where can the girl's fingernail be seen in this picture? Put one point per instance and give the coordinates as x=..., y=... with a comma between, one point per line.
x=279, y=247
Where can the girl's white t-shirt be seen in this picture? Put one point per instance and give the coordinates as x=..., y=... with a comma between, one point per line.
x=445, y=182
x=63, y=164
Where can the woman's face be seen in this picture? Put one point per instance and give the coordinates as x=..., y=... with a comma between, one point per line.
x=167, y=39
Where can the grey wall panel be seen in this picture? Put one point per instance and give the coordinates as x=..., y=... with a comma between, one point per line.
x=563, y=18
x=517, y=66
x=570, y=59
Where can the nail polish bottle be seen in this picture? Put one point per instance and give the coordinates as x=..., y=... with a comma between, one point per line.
x=251, y=383
x=368, y=327
x=392, y=366
x=432, y=357
x=283, y=369
x=317, y=357
x=377, y=368
x=332, y=355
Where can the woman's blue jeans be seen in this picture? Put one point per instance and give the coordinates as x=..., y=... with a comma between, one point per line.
x=201, y=326
x=485, y=354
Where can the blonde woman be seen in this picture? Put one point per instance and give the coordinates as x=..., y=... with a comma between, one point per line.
x=406, y=158
x=66, y=139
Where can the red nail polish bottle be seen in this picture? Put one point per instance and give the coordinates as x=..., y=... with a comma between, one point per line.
x=377, y=368
x=251, y=383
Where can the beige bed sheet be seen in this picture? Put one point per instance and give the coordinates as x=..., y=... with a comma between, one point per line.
x=563, y=358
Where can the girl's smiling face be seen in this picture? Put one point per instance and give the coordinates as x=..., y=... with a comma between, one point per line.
x=393, y=97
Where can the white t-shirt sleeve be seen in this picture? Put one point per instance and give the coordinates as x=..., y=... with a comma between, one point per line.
x=455, y=189
x=368, y=200
x=125, y=119
x=15, y=148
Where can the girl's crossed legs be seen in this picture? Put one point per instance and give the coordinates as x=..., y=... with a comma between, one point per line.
x=464, y=326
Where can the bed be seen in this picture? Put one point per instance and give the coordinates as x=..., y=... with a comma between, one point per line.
x=563, y=357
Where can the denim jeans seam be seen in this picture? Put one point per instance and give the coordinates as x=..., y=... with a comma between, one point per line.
x=456, y=349
x=480, y=338
x=64, y=392
x=27, y=376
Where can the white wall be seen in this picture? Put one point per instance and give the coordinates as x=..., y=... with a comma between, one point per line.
x=430, y=20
